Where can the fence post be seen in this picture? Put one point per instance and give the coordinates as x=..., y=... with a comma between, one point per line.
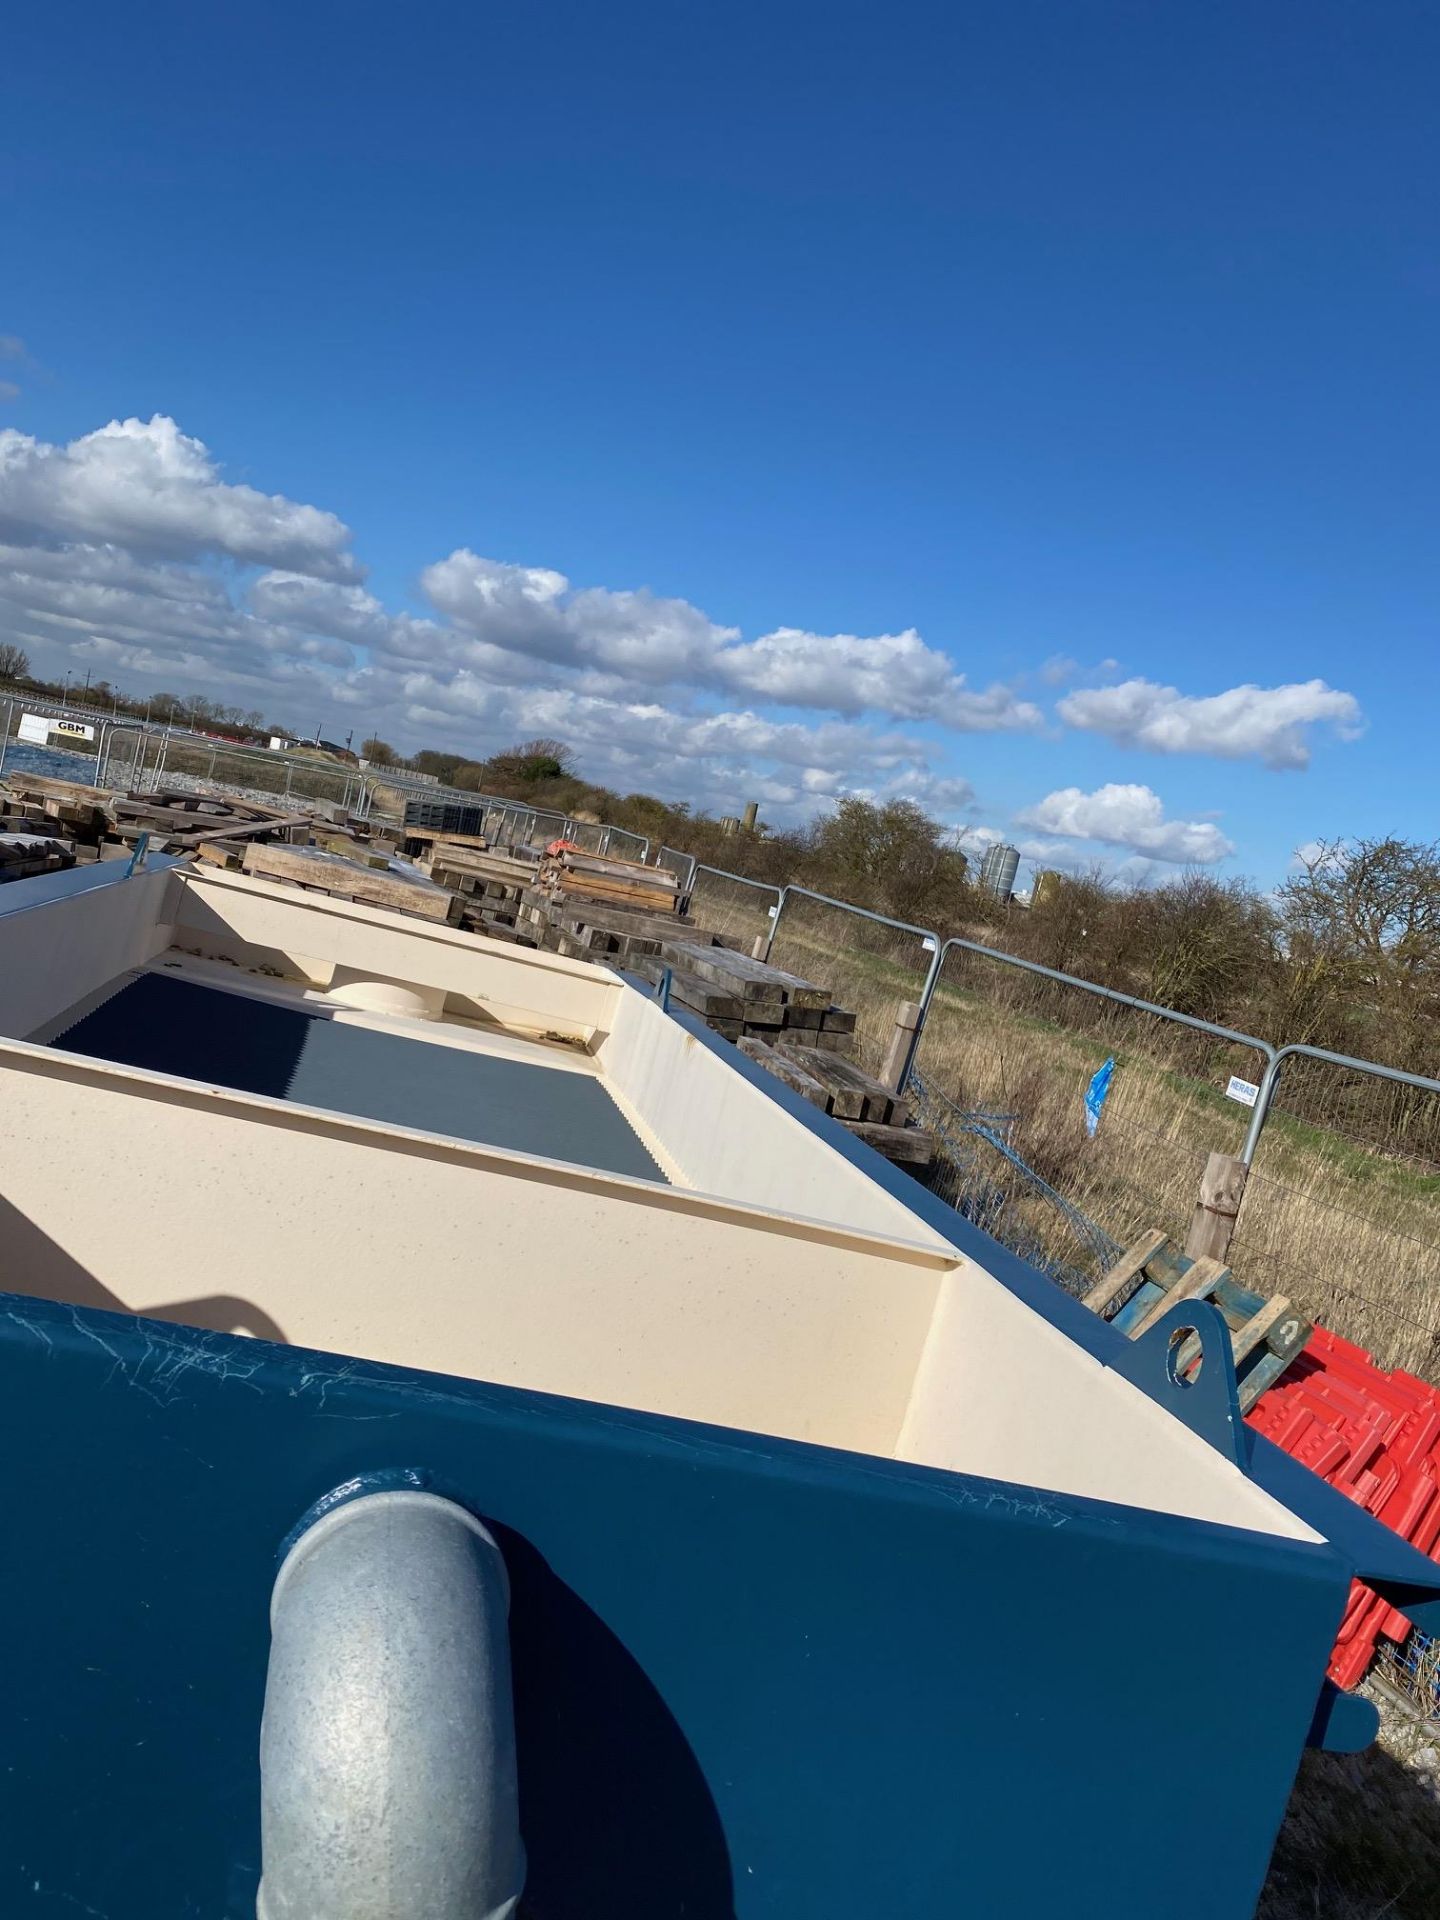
x=1212, y=1226
x=901, y=1050
x=759, y=946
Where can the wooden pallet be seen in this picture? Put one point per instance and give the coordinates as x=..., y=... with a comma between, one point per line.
x=1153, y=1275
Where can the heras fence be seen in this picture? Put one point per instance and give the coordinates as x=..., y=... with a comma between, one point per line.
x=1312, y=1173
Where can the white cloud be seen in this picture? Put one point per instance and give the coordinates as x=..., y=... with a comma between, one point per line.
x=638, y=638
x=1127, y=816
x=893, y=673
x=146, y=486
x=1265, y=723
x=532, y=611
x=1045, y=852
x=126, y=551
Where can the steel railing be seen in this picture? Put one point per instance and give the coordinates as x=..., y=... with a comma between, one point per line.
x=938, y=948
x=683, y=865
x=1265, y=1099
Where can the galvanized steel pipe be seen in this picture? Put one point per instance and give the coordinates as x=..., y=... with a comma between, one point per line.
x=387, y=1750
x=1089, y=986
x=1266, y=1096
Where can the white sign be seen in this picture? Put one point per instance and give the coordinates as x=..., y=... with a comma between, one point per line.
x=927, y=945
x=1245, y=1091
x=39, y=728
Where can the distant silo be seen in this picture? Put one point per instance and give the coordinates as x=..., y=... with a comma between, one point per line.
x=998, y=870
x=1046, y=887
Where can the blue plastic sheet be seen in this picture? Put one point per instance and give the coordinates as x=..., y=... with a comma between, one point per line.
x=1095, y=1094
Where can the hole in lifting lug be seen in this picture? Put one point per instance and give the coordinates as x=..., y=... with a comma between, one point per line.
x=1184, y=1357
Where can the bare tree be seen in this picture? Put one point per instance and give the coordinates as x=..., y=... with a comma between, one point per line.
x=14, y=662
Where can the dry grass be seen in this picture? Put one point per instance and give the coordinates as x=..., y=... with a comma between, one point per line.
x=1349, y=1231
x=1361, y=1837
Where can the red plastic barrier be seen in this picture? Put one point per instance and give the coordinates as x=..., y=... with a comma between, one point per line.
x=1375, y=1436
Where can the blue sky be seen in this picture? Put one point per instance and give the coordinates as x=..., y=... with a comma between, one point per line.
x=632, y=373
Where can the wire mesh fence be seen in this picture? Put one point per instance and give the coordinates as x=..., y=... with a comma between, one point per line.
x=869, y=968
x=733, y=907
x=682, y=865
x=983, y=1175
x=1343, y=1208
x=1027, y=1047
x=181, y=760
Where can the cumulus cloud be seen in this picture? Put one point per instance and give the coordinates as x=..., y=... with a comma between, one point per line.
x=1265, y=723
x=148, y=487
x=532, y=611
x=128, y=551
x=847, y=673
x=1132, y=817
x=642, y=639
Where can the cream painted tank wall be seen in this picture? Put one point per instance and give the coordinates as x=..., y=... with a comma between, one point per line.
x=776, y=1288
x=348, y=1236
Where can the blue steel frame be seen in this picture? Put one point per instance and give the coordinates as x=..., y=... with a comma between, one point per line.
x=754, y=1680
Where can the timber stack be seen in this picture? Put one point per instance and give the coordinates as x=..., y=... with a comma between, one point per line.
x=873, y=1112
x=745, y=998
x=92, y=823
x=568, y=874
x=489, y=882
x=345, y=878
x=24, y=853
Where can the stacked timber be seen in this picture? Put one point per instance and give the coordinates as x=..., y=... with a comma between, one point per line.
x=68, y=812
x=105, y=825
x=767, y=1001
x=182, y=822
x=595, y=930
x=570, y=874
x=24, y=854
x=344, y=879
x=489, y=883
x=870, y=1110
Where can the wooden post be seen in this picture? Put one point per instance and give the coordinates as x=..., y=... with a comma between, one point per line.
x=1212, y=1227
x=907, y=1019
x=757, y=947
